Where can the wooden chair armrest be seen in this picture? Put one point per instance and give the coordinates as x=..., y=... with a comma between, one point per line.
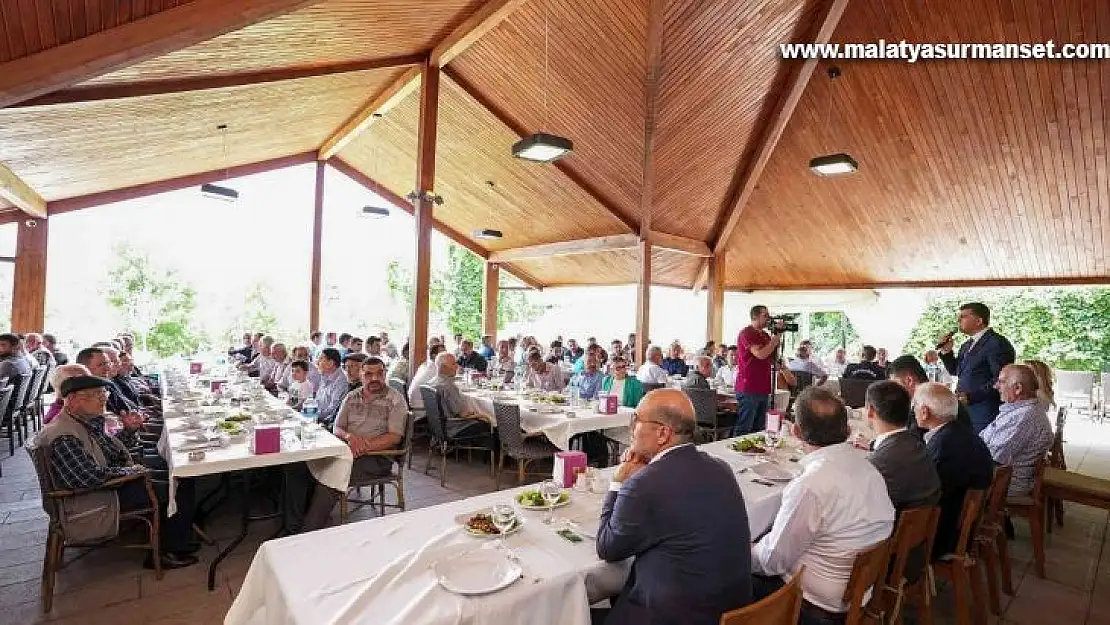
x=384, y=453
x=115, y=482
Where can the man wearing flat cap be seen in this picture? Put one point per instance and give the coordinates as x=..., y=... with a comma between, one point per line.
x=81, y=455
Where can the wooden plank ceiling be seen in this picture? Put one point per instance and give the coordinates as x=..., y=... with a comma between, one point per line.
x=969, y=170
x=27, y=27
x=619, y=267
x=76, y=149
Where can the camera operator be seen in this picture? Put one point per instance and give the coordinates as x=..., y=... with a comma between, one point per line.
x=756, y=350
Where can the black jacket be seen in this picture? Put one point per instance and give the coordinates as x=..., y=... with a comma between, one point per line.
x=963, y=462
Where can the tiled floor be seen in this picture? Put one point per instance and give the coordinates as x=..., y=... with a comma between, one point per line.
x=110, y=586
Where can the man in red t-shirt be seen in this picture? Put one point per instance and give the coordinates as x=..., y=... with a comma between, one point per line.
x=756, y=349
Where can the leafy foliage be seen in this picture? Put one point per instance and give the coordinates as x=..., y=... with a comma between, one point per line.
x=832, y=330
x=154, y=304
x=1066, y=328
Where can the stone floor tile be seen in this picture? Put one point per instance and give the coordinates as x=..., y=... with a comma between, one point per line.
x=1037, y=599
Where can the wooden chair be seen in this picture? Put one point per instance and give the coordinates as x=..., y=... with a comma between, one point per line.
x=779, y=608
x=911, y=545
x=1032, y=508
x=652, y=386
x=991, y=543
x=396, y=478
x=959, y=568
x=867, y=573
x=447, y=435
x=1056, y=460
x=56, y=541
x=854, y=390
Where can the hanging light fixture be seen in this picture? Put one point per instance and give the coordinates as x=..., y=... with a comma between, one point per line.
x=370, y=211
x=487, y=234
x=216, y=191
x=833, y=164
x=543, y=147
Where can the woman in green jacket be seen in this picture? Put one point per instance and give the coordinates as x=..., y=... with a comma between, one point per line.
x=629, y=388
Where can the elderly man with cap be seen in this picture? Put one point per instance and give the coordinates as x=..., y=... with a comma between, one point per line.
x=82, y=455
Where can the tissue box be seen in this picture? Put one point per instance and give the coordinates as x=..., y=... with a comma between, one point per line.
x=565, y=464
x=267, y=439
x=196, y=367
x=217, y=386
x=774, y=421
x=607, y=403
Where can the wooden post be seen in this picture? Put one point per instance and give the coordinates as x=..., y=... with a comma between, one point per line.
x=715, y=293
x=643, y=302
x=317, y=249
x=29, y=288
x=489, y=300
x=422, y=211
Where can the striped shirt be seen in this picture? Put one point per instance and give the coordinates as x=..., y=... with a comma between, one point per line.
x=1020, y=435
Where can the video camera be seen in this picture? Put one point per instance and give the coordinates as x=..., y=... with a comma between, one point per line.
x=783, y=323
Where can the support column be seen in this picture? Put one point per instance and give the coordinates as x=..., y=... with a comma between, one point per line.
x=422, y=211
x=489, y=300
x=29, y=288
x=643, y=302
x=715, y=293
x=317, y=250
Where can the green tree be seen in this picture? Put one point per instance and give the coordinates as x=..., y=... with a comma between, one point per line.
x=831, y=330
x=155, y=305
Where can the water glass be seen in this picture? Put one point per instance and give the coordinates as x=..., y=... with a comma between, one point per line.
x=551, y=492
x=503, y=516
x=308, y=434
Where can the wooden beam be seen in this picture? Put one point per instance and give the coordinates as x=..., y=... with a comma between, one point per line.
x=654, y=62
x=29, y=283
x=116, y=48
x=934, y=284
x=675, y=243
x=485, y=19
x=522, y=275
x=702, y=278
x=82, y=202
x=746, y=179
x=317, y=249
x=715, y=295
x=97, y=92
x=382, y=101
x=567, y=248
x=627, y=222
x=643, y=302
x=20, y=194
x=489, y=300
x=422, y=213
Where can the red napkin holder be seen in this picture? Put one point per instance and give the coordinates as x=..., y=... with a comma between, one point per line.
x=196, y=367
x=774, y=421
x=267, y=439
x=565, y=464
x=217, y=386
x=607, y=403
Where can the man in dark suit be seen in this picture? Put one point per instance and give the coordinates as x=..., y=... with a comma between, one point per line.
x=911, y=478
x=907, y=371
x=866, y=368
x=962, y=459
x=681, y=514
x=978, y=364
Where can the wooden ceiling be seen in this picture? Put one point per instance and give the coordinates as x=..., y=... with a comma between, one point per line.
x=969, y=170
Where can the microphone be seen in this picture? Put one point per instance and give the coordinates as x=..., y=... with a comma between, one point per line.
x=946, y=338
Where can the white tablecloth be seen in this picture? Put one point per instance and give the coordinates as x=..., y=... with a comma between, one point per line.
x=378, y=571
x=328, y=458
x=558, y=427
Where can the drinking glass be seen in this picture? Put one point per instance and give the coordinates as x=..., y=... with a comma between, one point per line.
x=503, y=516
x=308, y=434
x=551, y=492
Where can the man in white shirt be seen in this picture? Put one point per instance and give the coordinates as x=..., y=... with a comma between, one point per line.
x=726, y=374
x=837, y=508
x=1022, y=431
x=838, y=363
x=424, y=375
x=278, y=371
x=804, y=363
x=389, y=349
x=652, y=371
x=542, y=375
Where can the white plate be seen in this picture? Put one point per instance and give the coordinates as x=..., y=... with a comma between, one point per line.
x=546, y=409
x=463, y=518
x=773, y=472
x=478, y=572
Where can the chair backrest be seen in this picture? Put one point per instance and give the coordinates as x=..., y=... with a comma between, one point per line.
x=969, y=517
x=705, y=405
x=649, y=387
x=854, y=391
x=781, y=607
x=804, y=379
x=915, y=530
x=34, y=389
x=508, y=428
x=5, y=399
x=1061, y=417
x=20, y=384
x=867, y=571
x=1056, y=452
x=996, y=496
x=1074, y=383
x=41, y=460
x=432, y=410
x=406, y=441
x=399, y=385
x=1038, y=478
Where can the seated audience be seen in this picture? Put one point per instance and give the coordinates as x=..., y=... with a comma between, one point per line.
x=314, y=346
x=300, y=387
x=280, y=370
x=934, y=368
x=803, y=362
x=898, y=454
x=332, y=387
x=628, y=389
x=675, y=364
x=263, y=362
x=502, y=363
x=580, y=365
x=425, y=373
x=389, y=349
x=463, y=420
x=128, y=378
x=370, y=419
x=355, y=346
x=1045, y=380
x=11, y=362
x=616, y=348
x=574, y=352
x=652, y=371
x=908, y=372
x=720, y=359
x=726, y=373
x=400, y=367
x=555, y=354
x=344, y=344
x=486, y=348
x=97, y=361
x=245, y=353
x=882, y=358
x=589, y=381
x=302, y=352
x=866, y=369
x=962, y=459
x=835, y=509
x=1022, y=432
x=42, y=356
x=838, y=363
x=699, y=376
x=542, y=375
x=470, y=359
x=374, y=349
x=83, y=456
x=352, y=369
x=786, y=378
x=680, y=514
x=50, y=344
x=60, y=374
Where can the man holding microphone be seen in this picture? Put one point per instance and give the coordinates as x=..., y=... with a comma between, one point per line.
x=980, y=360
x=756, y=350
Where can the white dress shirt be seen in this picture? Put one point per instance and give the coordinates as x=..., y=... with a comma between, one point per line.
x=1018, y=436
x=835, y=509
x=651, y=373
x=836, y=369
x=424, y=374
x=806, y=365
x=266, y=365
x=726, y=375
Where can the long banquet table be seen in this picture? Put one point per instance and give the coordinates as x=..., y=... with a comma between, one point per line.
x=379, y=571
x=558, y=423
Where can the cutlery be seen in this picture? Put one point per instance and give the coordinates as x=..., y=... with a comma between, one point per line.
x=762, y=482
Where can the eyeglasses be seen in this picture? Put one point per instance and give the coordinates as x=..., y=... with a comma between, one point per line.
x=636, y=419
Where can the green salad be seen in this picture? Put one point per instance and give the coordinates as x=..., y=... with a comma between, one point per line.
x=750, y=445
x=535, y=499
